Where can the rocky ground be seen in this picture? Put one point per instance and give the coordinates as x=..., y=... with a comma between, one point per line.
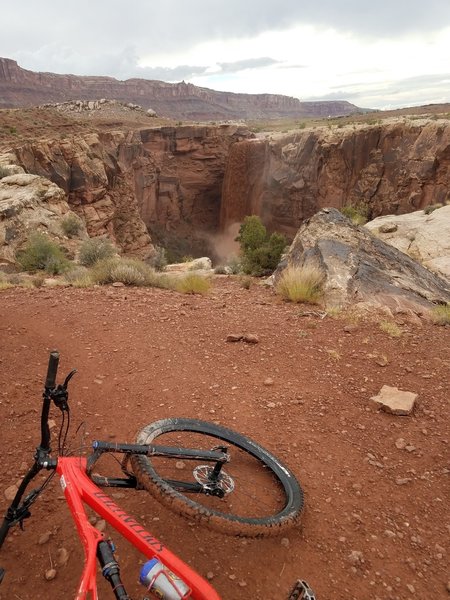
x=376, y=523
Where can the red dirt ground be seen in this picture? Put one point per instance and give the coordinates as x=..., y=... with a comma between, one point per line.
x=376, y=523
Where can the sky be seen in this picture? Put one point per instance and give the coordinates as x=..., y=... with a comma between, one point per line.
x=384, y=54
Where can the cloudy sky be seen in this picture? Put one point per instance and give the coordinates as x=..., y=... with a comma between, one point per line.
x=382, y=54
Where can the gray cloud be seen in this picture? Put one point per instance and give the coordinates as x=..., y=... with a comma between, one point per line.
x=85, y=37
x=249, y=63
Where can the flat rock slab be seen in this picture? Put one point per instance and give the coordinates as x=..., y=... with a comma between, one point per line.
x=395, y=401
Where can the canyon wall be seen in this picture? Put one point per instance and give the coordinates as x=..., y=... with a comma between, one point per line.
x=126, y=183
x=392, y=169
x=178, y=186
x=22, y=88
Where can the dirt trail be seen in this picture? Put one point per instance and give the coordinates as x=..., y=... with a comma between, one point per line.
x=376, y=524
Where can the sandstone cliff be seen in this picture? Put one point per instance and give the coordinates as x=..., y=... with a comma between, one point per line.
x=126, y=183
x=391, y=169
x=20, y=87
x=176, y=186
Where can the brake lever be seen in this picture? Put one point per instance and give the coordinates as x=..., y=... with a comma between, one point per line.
x=68, y=378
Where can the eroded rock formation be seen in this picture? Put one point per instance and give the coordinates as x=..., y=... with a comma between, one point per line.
x=423, y=237
x=126, y=183
x=30, y=203
x=394, y=168
x=360, y=268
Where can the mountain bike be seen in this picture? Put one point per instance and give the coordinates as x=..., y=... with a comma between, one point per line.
x=232, y=484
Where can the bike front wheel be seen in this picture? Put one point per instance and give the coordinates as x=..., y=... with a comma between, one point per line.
x=261, y=496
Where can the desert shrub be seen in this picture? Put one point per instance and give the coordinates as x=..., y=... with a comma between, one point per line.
x=71, y=225
x=4, y=172
x=441, y=314
x=246, y=282
x=301, y=284
x=390, y=328
x=235, y=265
x=220, y=270
x=42, y=254
x=79, y=277
x=96, y=249
x=4, y=283
x=193, y=283
x=128, y=271
x=357, y=214
x=429, y=209
x=159, y=260
x=260, y=252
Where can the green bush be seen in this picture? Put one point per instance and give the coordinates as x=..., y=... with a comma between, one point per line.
x=42, y=254
x=260, y=252
x=192, y=283
x=301, y=284
x=71, y=225
x=96, y=249
x=359, y=214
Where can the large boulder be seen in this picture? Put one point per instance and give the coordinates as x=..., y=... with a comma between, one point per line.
x=360, y=268
x=424, y=237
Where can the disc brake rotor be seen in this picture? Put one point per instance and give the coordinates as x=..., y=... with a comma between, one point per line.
x=224, y=482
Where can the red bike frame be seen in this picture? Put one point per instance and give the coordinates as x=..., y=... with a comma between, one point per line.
x=78, y=488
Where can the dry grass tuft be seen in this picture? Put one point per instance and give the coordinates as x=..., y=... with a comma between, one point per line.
x=301, y=284
x=390, y=328
x=193, y=283
x=441, y=314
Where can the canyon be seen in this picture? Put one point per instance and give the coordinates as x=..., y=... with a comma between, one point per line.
x=185, y=184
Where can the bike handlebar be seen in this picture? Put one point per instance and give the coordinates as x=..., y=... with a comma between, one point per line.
x=52, y=369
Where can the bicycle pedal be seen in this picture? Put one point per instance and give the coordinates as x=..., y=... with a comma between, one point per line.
x=301, y=591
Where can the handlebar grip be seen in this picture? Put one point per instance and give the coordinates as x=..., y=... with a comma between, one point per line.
x=52, y=369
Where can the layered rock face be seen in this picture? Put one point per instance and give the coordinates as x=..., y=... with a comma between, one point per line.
x=20, y=87
x=123, y=184
x=391, y=169
x=424, y=237
x=30, y=203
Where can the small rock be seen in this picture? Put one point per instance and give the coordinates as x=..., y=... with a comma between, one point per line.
x=271, y=405
x=50, y=574
x=10, y=492
x=100, y=525
x=388, y=227
x=62, y=557
x=232, y=577
x=356, y=557
x=209, y=575
x=118, y=284
x=180, y=465
x=250, y=338
x=234, y=337
x=43, y=539
x=395, y=401
x=285, y=542
x=400, y=443
x=268, y=382
x=411, y=588
x=402, y=480
x=350, y=328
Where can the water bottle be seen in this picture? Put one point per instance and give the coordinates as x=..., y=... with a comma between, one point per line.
x=163, y=584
